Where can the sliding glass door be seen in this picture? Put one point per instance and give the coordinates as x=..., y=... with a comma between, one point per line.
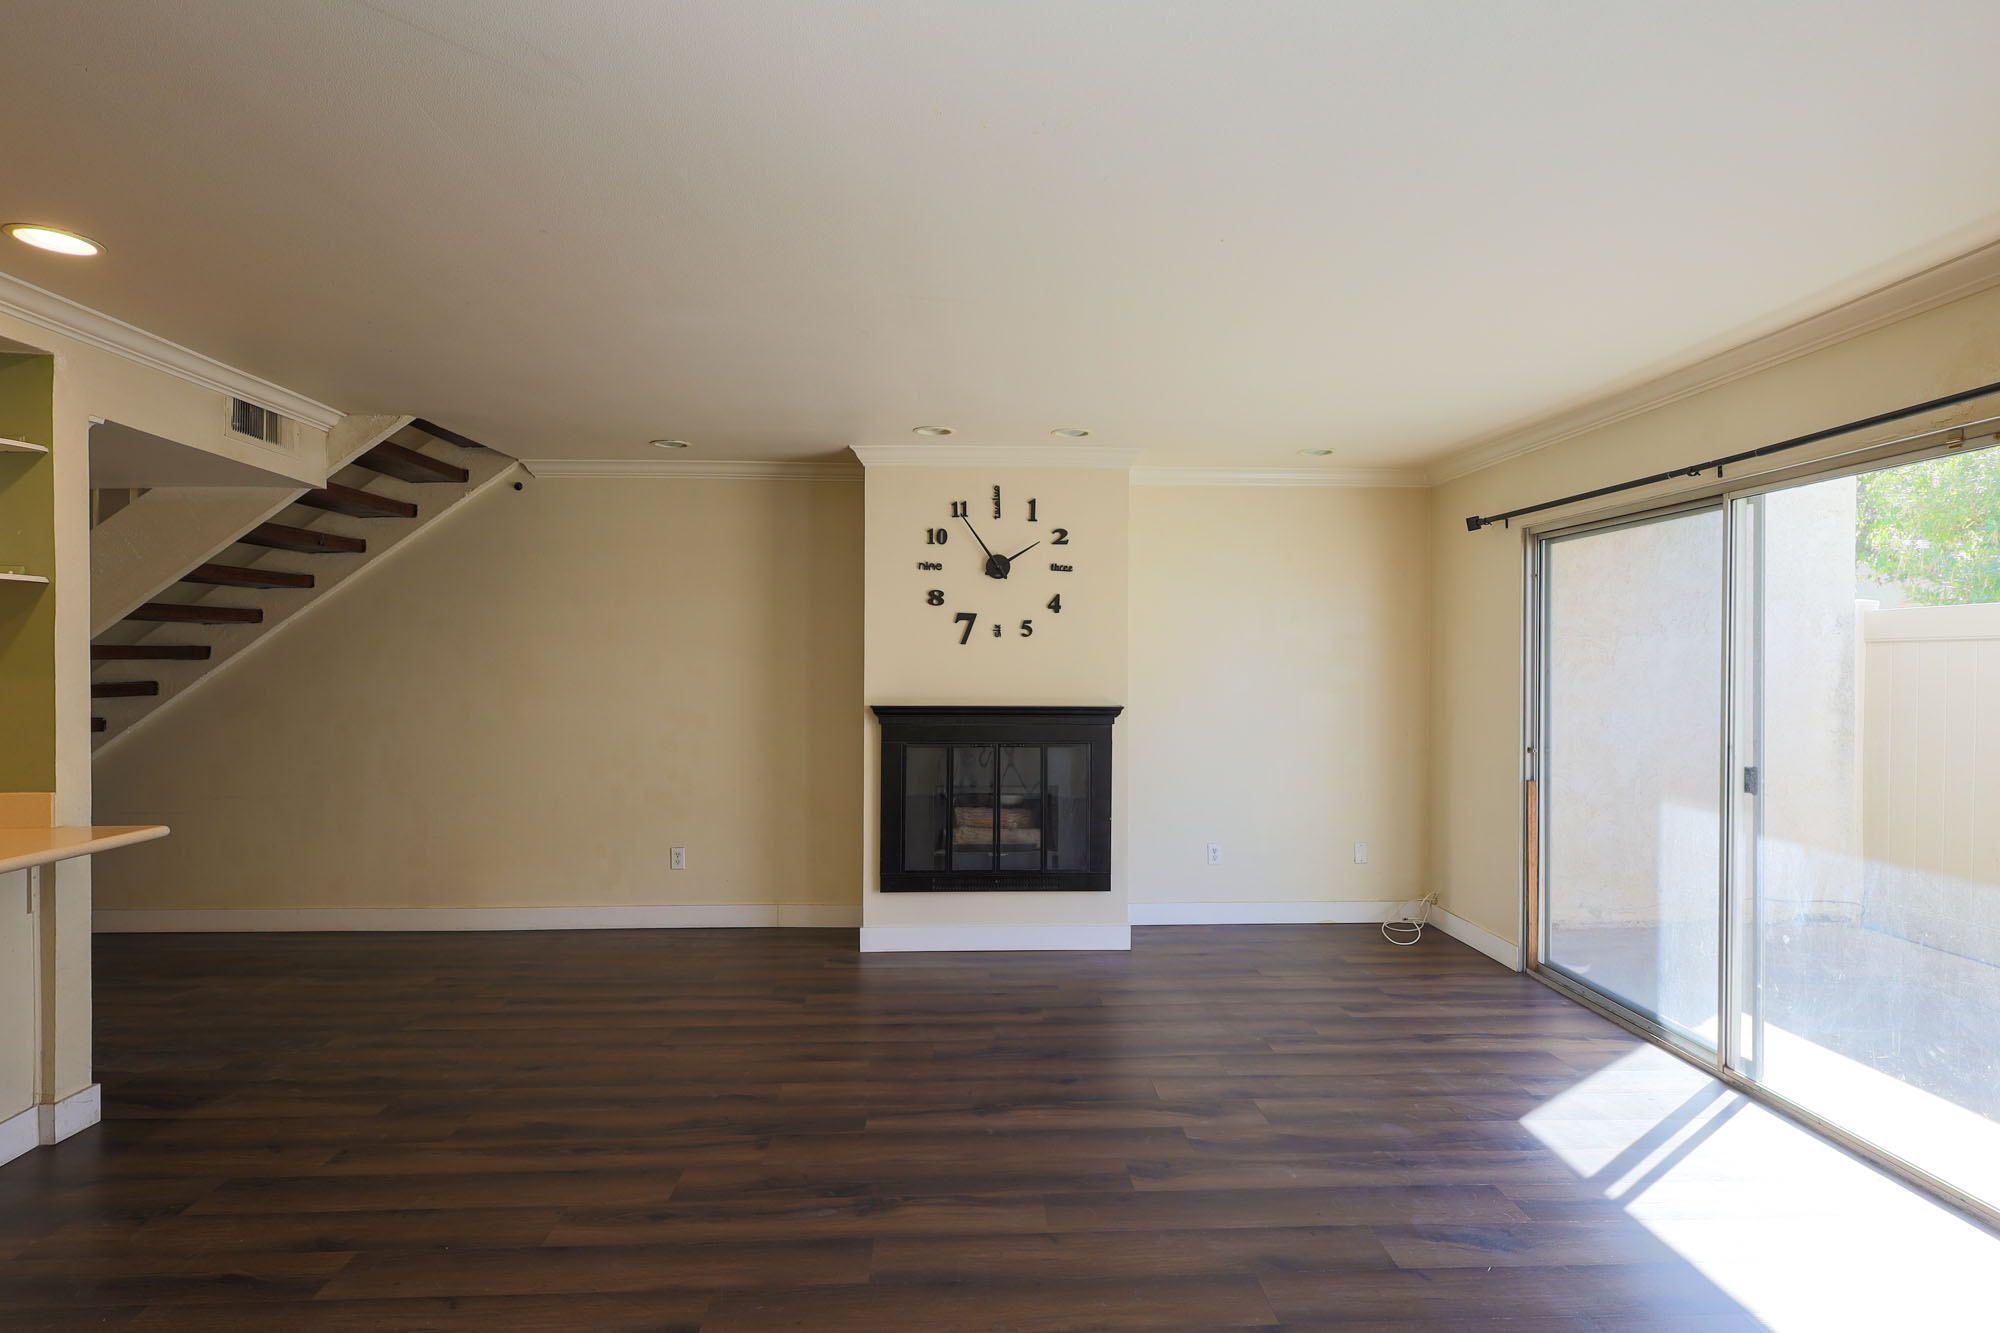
x=1632, y=764
x=1768, y=786
x=1867, y=909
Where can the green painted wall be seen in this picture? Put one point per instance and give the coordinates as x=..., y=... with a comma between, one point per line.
x=27, y=611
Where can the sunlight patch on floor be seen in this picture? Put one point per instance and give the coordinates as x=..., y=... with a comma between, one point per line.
x=1802, y=1235
x=1938, y=1135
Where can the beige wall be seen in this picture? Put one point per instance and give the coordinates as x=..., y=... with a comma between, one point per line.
x=1279, y=695
x=1808, y=814
x=1931, y=738
x=537, y=699
x=1635, y=660
x=527, y=707
x=1476, y=607
x=913, y=653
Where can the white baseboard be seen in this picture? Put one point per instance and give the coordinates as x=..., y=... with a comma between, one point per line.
x=874, y=939
x=1260, y=914
x=1499, y=950
x=980, y=939
x=1319, y=913
x=18, y=1135
x=819, y=916
x=672, y=916
x=56, y=1121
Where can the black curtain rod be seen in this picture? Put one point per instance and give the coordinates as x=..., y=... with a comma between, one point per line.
x=1696, y=469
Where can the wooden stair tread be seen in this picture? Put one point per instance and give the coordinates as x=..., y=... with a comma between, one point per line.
x=124, y=689
x=150, y=652
x=437, y=432
x=199, y=615
x=406, y=464
x=280, y=537
x=240, y=576
x=337, y=499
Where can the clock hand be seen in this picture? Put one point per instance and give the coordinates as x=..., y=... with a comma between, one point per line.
x=1023, y=551
x=975, y=535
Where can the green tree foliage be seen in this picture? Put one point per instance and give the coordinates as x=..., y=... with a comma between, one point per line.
x=1934, y=528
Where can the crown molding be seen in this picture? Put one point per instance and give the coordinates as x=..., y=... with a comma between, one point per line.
x=690, y=469
x=59, y=314
x=994, y=455
x=1938, y=285
x=1348, y=477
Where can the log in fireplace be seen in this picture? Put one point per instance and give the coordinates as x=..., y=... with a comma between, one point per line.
x=996, y=798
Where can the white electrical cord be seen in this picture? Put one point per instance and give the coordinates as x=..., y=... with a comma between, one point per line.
x=1408, y=928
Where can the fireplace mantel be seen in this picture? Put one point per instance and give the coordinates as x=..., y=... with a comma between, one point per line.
x=985, y=798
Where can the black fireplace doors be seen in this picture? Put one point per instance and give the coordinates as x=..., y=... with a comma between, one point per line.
x=996, y=798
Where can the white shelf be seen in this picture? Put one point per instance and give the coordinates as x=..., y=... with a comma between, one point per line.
x=21, y=447
x=23, y=578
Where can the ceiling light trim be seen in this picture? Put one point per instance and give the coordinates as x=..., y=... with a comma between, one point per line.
x=59, y=314
x=1349, y=478
x=1928, y=289
x=53, y=240
x=995, y=455
x=688, y=469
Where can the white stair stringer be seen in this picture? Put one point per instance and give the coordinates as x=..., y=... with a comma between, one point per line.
x=136, y=554
x=281, y=607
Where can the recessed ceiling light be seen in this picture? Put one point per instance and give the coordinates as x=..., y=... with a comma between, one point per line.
x=1070, y=433
x=1315, y=453
x=51, y=239
x=669, y=444
x=932, y=430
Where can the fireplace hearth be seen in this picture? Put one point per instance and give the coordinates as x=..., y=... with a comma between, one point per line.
x=979, y=799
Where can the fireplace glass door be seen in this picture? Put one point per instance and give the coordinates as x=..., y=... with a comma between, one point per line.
x=1018, y=808
x=974, y=779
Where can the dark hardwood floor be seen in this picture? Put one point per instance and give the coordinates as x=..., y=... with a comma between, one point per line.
x=1295, y=1127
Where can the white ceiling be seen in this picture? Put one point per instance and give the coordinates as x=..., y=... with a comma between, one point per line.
x=1217, y=232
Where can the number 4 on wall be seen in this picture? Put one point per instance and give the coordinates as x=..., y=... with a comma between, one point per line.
x=1055, y=602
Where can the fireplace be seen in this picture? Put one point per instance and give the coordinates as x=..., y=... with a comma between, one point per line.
x=996, y=798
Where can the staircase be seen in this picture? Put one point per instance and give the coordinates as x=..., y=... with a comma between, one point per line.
x=297, y=551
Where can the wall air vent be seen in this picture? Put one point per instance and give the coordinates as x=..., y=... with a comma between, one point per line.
x=259, y=423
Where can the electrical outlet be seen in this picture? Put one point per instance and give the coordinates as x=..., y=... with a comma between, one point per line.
x=1215, y=853
x=680, y=858
x=1361, y=853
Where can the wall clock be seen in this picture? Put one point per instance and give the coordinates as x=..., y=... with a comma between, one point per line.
x=1019, y=564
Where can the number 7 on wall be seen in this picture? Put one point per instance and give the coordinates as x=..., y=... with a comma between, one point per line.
x=970, y=618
